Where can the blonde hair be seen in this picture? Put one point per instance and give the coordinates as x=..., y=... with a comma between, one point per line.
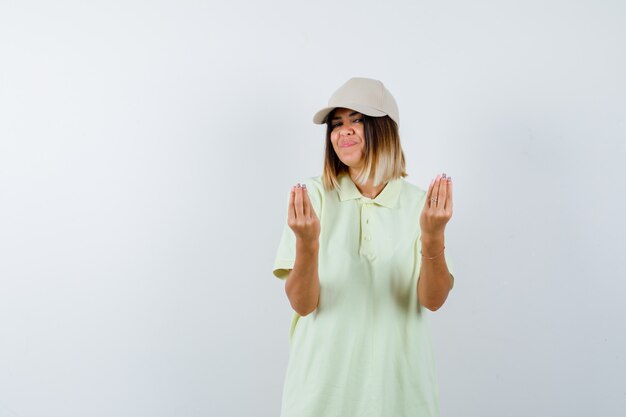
x=383, y=155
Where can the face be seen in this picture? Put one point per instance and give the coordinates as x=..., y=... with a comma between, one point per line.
x=348, y=137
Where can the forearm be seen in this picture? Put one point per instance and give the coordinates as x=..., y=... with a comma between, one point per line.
x=303, y=284
x=434, y=281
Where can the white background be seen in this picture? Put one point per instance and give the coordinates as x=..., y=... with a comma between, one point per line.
x=146, y=153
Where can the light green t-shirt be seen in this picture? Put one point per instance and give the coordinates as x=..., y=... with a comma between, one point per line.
x=366, y=349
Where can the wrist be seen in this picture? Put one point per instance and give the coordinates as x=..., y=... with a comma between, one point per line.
x=307, y=245
x=435, y=240
x=433, y=246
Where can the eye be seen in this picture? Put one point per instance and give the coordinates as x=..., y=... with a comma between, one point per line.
x=334, y=125
x=359, y=120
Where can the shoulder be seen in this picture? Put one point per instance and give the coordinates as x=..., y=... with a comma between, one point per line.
x=316, y=191
x=412, y=193
x=315, y=186
x=408, y=187
x=314, y=182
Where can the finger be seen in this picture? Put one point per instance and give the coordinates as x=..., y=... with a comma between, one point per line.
x=298, y=202
x=449, y=197
x=443, y=191
x=435, y=203
x=291, y=212
x=308, y=208
x=429, y=194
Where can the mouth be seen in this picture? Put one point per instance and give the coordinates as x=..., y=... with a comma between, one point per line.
x=347, y=144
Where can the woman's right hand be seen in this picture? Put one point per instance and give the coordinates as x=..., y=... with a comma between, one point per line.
x=301, y=216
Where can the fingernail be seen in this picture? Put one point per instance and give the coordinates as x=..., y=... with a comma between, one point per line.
x=449, y=178
x=444, y=175
x=298, y=185
x=304, y=186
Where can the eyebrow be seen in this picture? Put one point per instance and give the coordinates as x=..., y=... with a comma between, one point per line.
x=354, y=113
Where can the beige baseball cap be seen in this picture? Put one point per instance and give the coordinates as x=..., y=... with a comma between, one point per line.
x=364, y=95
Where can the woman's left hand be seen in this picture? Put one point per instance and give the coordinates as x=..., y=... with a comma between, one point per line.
x=438, y=207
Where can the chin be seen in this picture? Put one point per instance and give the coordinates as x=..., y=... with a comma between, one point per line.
x=350, y=162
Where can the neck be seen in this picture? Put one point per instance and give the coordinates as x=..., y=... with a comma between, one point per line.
x=368, y=189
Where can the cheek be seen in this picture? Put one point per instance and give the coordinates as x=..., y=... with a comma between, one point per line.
x=334, y=139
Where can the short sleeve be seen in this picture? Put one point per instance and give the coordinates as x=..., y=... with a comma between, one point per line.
x=286, y=253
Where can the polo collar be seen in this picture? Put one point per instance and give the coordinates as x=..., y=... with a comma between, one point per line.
x=388, y=197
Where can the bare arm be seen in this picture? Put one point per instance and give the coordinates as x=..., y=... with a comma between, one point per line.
x=303, y=285
x=435, y=281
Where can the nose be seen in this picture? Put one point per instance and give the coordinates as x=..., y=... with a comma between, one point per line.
x=346, y=129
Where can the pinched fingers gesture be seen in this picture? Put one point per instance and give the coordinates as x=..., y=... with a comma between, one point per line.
x=301, y=216
x=438, y=207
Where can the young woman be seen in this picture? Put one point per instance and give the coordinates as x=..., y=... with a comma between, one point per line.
x=362, y=254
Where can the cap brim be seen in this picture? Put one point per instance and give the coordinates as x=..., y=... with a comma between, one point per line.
x=320, y=116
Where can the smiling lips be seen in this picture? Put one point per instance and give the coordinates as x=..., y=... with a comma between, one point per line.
x=347, y=144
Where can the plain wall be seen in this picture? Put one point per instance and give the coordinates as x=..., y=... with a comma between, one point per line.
x=146, y=154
